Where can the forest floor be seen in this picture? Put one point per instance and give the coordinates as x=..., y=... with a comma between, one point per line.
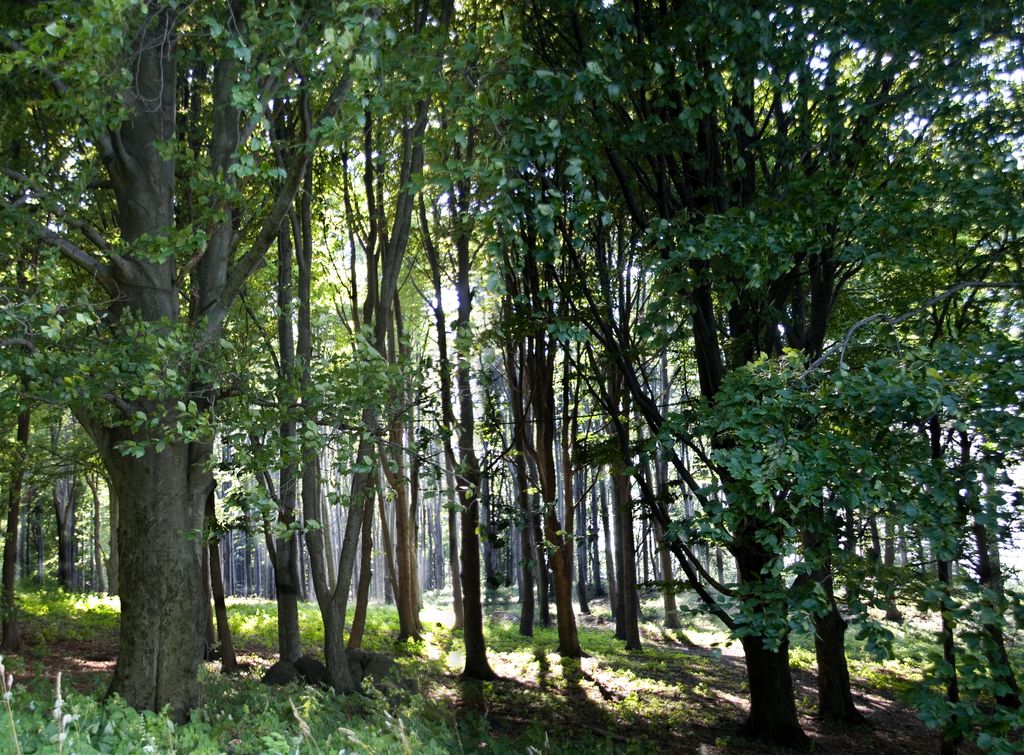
x=683, y=692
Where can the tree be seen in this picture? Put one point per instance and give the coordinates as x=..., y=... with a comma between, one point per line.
x=151, y=436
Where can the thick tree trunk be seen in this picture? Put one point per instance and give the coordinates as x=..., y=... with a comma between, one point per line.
x=541, y=370
x=161, y=496
x=772, y=716
x=490, y=556
x=627, y=614
x=11, y=639
x=835, y=698
x=65, y=504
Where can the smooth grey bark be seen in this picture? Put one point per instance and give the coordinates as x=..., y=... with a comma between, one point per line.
x=285, y=559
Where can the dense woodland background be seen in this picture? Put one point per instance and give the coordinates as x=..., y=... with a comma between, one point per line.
x=702, y=314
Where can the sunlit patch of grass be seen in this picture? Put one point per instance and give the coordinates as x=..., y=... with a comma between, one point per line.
x=50, y=614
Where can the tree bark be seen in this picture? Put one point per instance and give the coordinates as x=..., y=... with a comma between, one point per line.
x=528, y=545
x=161, y=637
x=11, y=640
x=542, y=378
x=581, y=554
x=468, y=485
x=65, y=504
x=355, y=637
x=668, y=590
x=609, y=558
x=772, y=716
x=113, y=563
x=990, y=579
x=287, y=577
x=835, y=698
x=98, y=565
x=228, y=660
x=595, y=558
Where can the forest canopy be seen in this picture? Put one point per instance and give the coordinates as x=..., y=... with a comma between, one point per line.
x=685, y=312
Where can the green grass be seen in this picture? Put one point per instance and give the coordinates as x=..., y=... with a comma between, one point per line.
x=612, y=700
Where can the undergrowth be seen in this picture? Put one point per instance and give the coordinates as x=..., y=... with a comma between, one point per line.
x=612, y=700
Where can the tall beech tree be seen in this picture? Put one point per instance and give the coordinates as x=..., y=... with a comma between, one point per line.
x=169, y=288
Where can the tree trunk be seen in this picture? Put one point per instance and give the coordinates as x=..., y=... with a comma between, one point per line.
x=447, y=416
x=541, y=371
x=627, y=614
x=391, y=583
x=668, y=589
x=609, y=560
x=11, y=640
x=287, y=577
x=355, y=638
x=892, y=611
x=113, y=563
x=990, y=579
x=209, y=634
x=228, y=661
x=453, y=544
x=772, y=716
x=835, y=698
x=528, y=545
x=951, y=736
x=477, y=666
x=599, y=591
x=100, y=583
x=65, y=503
x=161, y=496
x=581, y=554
